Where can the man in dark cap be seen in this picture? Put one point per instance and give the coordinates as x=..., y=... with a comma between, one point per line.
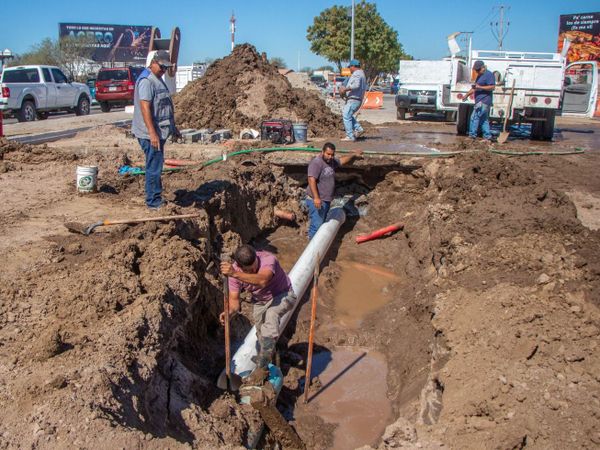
x=354, y=91
x=153, y=122
x=483, y=88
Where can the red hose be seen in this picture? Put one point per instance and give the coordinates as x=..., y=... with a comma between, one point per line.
x=180, y=162
x=379, y=233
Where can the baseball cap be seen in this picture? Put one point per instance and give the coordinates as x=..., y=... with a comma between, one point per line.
x=162, y=57
x=354, y=62
x=478, y=65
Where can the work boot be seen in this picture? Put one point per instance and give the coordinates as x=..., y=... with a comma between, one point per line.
x=265, y=353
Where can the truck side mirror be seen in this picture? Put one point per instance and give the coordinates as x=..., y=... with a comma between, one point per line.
x=70, y=79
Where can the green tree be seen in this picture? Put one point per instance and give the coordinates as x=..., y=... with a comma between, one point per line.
x=329, y=35
x=307, y=70
x=71, y=54
x=278, y=62
x=376, y=43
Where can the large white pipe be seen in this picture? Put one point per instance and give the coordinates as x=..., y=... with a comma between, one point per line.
x=300, y=276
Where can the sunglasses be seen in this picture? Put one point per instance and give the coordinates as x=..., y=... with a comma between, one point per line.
x=163, y=67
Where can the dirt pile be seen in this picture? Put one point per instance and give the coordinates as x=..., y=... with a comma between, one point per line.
x=242, y=89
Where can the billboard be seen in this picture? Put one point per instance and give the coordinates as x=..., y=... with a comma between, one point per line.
x=583, y=30
x=122, y=43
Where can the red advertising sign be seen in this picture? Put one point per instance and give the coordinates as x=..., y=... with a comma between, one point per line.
x=583, y=30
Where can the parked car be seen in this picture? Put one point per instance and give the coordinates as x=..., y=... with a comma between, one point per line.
x=319, y=80
x=115, y=86
x=91, y=83
x=333, y=86
x=30, y=92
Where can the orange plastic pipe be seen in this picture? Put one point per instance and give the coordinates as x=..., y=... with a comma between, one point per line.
x=379, y=233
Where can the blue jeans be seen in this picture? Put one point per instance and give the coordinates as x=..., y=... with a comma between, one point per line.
x=317, y=216
x=350, y=123
x=480, y=117
x=154, y=165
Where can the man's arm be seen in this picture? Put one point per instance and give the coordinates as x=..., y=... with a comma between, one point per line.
x=234, y=306
x=260, y=279
x=147, y=115
x=348, y=159
x=312, y=183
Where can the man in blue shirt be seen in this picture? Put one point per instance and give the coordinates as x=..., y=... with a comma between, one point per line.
x=483, y=89
x=354, y=91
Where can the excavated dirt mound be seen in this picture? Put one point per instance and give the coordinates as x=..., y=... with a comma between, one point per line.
x=243, y=89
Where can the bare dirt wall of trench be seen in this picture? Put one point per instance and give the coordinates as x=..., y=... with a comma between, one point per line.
x=113, y=338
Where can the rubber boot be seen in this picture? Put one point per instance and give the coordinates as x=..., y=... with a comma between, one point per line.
x=258, y=375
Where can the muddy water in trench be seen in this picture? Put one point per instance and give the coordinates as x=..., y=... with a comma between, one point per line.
x=352, y=395
x=361, y=290
x=353, y=391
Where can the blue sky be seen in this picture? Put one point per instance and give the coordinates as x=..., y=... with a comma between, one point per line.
x=279, y=27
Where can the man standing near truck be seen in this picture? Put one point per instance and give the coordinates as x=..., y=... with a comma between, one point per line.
x=485, y=83
x=153, y=123
x=354, y=92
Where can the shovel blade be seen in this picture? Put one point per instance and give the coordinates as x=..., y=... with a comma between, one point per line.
x=76, y=227
x=503, y=137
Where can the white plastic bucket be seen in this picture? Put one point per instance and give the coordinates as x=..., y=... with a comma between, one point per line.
x=87, y=177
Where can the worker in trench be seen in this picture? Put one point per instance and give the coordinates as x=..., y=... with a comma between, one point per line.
x=321, y=184
x=260, y=274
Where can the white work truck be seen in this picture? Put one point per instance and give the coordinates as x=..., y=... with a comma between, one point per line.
x=30, y=92
x=424, y=86
x=539, y=89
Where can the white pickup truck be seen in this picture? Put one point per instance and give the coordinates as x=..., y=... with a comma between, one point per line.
x=424, y=86
x=30, y=92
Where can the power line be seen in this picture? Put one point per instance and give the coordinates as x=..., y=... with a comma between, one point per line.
x=500, y=27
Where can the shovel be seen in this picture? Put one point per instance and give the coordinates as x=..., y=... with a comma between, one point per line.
x=76, y=227
x=504, y=135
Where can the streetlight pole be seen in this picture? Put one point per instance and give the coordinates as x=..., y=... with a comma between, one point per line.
x=352, y=34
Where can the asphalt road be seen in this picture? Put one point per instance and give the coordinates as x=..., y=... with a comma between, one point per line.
x=61, y=114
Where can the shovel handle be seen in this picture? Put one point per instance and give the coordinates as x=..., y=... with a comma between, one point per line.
x=150, y=219
x=510, y=102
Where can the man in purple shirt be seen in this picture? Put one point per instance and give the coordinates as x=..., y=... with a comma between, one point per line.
x=260, y=274
x=321, y=184
x=483, y=89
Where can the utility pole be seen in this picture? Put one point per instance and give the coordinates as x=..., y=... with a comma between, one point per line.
x=500, y=28
x=352, y=34
x=232, y=21
x=298, y=60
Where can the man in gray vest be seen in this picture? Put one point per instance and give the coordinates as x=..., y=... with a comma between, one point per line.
x=354, y=92
x=153, y=122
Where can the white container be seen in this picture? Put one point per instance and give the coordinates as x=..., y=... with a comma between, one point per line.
x=87, y=177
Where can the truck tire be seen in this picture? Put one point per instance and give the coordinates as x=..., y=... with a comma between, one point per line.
x=105, y=106
x=548, y=131
x=83, y=106
x=543, y=130
x=450, y=116
x=463, y=119
x=401, y=113
x=27, y=112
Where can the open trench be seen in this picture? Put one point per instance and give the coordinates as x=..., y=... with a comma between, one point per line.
x=114, y=337
x=375, y=346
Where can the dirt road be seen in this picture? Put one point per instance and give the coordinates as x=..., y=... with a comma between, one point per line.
x=479, y=319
